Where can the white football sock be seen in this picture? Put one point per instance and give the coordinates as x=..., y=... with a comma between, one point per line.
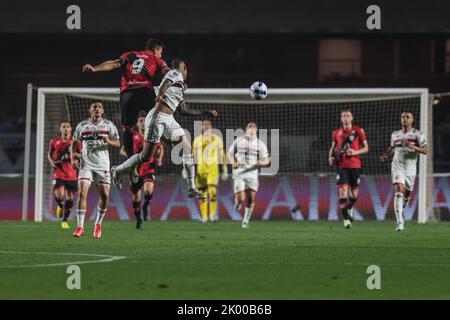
x=248, y=213
x=188, y=163
x=80, y=217
x=129, y=163
x=100, y=215
x=398, y=206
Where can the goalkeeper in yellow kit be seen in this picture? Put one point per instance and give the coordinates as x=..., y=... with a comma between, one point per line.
x=209, y=154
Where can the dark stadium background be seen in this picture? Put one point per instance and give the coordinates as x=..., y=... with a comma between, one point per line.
x=227, y=45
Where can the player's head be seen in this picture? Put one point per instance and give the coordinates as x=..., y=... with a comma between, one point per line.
x=65, y=129
x=407, y=119
x=206, y=125
x=251, y=129
x=180, y=65
x=155, y=46
x=96, y=109
x=140, y=123
x=346, y=117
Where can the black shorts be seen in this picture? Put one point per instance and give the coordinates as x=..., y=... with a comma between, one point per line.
x=136, y=186
x=134, y=100
x=349, y=176
x=71, y=186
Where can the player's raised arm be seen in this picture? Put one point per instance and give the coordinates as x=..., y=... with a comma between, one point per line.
x=194, y=112
x=104, y=66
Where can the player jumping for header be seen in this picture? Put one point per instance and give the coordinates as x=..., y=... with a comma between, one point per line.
x=64, y=174
x=160, y=122
x=349, y=142
x=138, y=69
x=96, y=134
x=405, y=145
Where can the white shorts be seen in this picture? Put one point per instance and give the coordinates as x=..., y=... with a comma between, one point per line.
x=158, y=124
x=97, y=176
x=245, y=182
x=406, y=179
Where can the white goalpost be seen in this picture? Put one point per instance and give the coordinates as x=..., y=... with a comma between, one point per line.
x=305, y=117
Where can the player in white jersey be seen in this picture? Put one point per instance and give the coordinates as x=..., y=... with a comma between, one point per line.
x=161, y=123
x=246, y=155
x=96, y=135
x=406, y=144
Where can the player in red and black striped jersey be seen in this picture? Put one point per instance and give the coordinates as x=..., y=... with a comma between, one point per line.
x=138, y=70
x=64, y=176
x=145, y=179
x=349, y=142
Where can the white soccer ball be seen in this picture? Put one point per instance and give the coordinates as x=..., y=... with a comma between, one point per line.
x=258, y=90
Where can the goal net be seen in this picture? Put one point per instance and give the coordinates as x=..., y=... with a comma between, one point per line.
x=303, y=120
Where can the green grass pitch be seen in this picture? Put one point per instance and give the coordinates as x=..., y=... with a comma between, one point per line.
x=188, y=260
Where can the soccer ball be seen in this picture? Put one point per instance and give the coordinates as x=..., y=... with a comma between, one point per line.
x=258, y=90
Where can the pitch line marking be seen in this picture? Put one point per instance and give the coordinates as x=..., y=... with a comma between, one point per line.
x=106, y=259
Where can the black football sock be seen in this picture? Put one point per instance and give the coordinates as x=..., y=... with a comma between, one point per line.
x=67, y=209
x=137, y=210
x=343, y=205
x=147, y=198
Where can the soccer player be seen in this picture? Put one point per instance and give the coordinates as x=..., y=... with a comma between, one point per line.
x=247, y=154
x=349, y=142
x=138, y=69
x=208, y=154
x=160, y=122
x=64, y=174
x=96, y=135
x=146, y=172
x=405, y=145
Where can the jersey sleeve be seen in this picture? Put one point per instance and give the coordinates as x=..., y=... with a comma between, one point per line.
x=51, y=146
x=113, y=132
x=124, y=58
x=174, y=76
x=393, y=139
x=77, y=133
x=421, y=139
x=362, y=134
x=263, y=151
x=160, y=63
